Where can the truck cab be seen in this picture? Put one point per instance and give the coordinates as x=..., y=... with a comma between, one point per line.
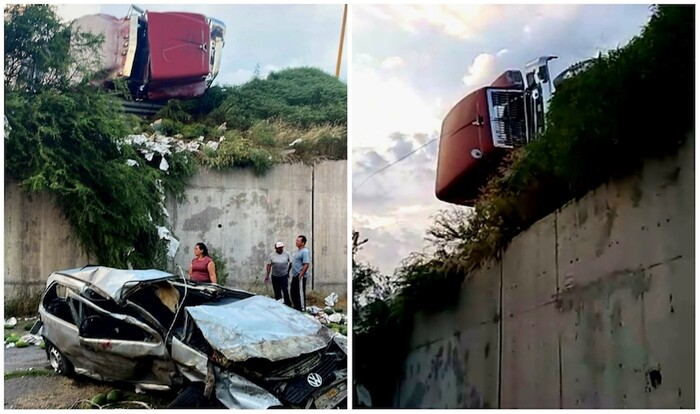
x=159, y=55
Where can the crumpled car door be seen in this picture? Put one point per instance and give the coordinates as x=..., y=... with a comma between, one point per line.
x=119, y=346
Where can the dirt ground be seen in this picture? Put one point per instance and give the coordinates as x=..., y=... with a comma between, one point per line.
x=59, y=392
x=31, y=383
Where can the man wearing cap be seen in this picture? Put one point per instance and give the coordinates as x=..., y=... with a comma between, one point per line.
x=279, y=265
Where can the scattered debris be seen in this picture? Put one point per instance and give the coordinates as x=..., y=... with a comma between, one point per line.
x=314, y=310
x=329, y=316
x=331, y=299
x=10, y=323
x=32, y=339
x=88, y=404
x=173, y=243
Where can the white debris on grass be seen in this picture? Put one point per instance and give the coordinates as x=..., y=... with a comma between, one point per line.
x=164, y=164
x=132, y=163
x=11, y=322
x=31, y=339
x=173, y=243
x=314, y=310
x=7, y=128
x=336, y=318
x=331, y=299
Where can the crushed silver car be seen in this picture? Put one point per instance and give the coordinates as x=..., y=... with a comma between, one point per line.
x=221, y=347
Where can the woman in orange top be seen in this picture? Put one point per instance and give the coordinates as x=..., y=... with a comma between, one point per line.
x=202, y=268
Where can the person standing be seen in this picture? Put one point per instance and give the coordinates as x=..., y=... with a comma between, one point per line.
x=301, y=262
x=279, y=265
x=202, y=268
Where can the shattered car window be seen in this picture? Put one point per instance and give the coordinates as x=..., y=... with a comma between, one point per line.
x=56, y=303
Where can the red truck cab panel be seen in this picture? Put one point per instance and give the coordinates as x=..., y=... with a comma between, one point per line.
x=179, y=46
x=467, y=154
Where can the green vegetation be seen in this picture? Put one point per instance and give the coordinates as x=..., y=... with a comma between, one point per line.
x=23, y=305
x=29, y=373
x=631, y=104
x=220, y=265
x=260, y=119
x=66, y=137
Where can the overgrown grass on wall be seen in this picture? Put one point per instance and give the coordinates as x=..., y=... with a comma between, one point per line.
x=631, y=104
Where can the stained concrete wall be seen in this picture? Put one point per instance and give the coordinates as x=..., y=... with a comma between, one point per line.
x=454, y=358
x=330, y=231
x=241, y=216
x=596, y=304
x=38, y=240
x=234, y=212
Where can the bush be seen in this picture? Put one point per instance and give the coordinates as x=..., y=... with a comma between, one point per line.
x=221, y=267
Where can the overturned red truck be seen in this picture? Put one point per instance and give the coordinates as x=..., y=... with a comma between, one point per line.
x=160, y=55
x=481, y=128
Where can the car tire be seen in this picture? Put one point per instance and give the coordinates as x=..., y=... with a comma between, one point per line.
x=58, y=361
x=192, y=396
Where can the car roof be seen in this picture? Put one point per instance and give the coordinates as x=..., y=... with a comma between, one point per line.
x=112, y=281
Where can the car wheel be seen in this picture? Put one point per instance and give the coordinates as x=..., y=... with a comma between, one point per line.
x=58, y=361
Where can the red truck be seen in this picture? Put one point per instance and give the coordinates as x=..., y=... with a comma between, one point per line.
x=481, y=128
x=160, y=55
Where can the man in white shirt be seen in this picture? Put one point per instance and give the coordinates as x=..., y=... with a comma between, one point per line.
x=279, y=265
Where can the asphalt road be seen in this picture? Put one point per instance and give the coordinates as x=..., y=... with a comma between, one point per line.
x=25, y=358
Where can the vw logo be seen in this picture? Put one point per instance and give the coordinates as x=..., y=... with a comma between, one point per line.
x=314, y=380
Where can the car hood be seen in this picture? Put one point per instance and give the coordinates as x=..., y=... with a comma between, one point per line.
x=259, y=327
x=113, y=283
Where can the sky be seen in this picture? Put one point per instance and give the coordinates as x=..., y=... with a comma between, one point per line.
x=429, y=57
x=272, y=37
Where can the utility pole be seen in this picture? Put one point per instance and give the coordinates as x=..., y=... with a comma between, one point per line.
x=342, y=38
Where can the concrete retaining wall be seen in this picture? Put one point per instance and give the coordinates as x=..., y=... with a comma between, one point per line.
x=241, y=216
x=596, y=308
x=38, y=240
x=234, y=212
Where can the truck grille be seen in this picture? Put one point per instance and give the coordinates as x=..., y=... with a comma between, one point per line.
x=508, y=122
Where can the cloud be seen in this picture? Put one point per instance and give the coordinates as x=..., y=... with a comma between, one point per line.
x=403, y=234
x=402, y=145
x=480, y=71
x=398, y=108
x=69, y=12
x=464, y=22
x=392, y=62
